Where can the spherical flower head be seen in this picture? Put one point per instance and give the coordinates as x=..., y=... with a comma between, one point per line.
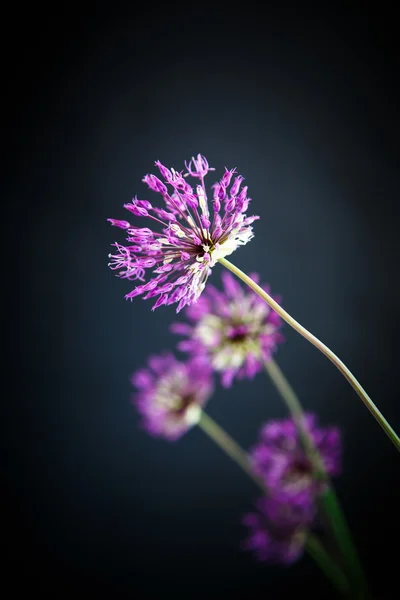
x=170, y=394
x=234, y=328
x=277, y=532
x=281, y=462
x=188, y=236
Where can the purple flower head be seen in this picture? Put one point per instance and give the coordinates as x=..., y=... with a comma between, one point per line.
x=279, y=459
x=170, y=394
x=189, y=239
x=234, y=328
x=277, y=532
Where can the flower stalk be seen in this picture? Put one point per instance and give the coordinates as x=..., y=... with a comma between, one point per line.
x=392, y=435
x=293, y=404
x=228, y=445
x=316, y=550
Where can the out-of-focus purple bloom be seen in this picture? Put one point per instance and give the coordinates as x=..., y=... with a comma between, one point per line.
x=277, y=531
x=235, y=329
x=192, y=239
x=170, y=394
x=280, y=461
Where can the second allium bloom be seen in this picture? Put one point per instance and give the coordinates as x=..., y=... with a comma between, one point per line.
x=189, y=238
x=235, y=329
x=170, y=394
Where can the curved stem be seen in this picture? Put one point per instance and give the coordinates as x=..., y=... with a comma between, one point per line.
x=312, y=544
x=341, y=531
x=228, y=445
x=331, y=570
x=392, y=435
x=293, y=404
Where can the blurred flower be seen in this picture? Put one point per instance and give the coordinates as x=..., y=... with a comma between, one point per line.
x=235, y=329
x=191, y=239
x=281, y=462
x=277, y=531
x=171, y=394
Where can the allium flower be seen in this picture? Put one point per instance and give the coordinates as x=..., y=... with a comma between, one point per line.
x=235, y=329
x=171, y=394
x=280, y=461
x=277, y=531
x=191, y=240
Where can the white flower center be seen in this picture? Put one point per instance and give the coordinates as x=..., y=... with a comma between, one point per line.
x=229, y=340
x=171, y=394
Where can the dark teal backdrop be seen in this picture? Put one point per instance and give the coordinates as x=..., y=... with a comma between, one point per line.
x=306, y=107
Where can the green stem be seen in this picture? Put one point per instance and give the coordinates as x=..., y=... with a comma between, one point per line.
x=228, y=445
x=321, y=346
x=329, y=499
x=341, y=530
x=293, y=404
x=323, y=560
x=312, y=545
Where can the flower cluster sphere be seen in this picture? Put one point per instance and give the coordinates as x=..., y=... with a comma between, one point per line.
x=281, y=461
x=192, y=238
x=234, y=329
x=170, y=394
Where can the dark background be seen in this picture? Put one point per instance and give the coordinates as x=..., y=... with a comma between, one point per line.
x=305, y=105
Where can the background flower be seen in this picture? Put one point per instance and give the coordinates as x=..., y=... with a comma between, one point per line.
x=191, y=240
x=279, y=458
x=277, y=532
x=235, y=329
x=170, y=394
